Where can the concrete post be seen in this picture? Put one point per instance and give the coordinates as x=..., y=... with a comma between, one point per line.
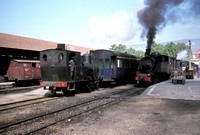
x=190, y=55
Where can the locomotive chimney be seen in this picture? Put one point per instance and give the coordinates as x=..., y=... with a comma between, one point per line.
x=60, y=46
x=147, y=53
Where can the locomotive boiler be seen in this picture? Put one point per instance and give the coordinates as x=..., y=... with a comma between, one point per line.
x=58, y=74
x=154, y=68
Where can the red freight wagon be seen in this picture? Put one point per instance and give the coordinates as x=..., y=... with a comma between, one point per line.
x=21, y=70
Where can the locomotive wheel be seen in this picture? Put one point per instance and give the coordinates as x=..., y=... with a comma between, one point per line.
x=64, y=91
x=52, y=91
x=67, y=92
x=88, y=87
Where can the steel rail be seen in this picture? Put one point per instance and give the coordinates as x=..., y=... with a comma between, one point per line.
x=116, y=100
x=66, y=108
x=24, y=103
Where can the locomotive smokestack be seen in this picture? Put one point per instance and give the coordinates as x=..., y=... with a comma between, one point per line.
x=147, y=53
x=60, y=46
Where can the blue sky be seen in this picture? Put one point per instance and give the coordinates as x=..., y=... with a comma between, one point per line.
x=89, y=23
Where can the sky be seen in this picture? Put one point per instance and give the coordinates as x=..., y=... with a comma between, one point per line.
x=88, y=23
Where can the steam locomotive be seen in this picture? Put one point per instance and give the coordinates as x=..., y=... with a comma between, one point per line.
x=56, y=70
x=154, y=68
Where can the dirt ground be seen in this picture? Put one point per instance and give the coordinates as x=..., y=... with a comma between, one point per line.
x=142, y=116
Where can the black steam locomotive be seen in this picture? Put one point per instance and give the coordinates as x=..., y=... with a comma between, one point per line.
x=154, y=67
x=60, y=75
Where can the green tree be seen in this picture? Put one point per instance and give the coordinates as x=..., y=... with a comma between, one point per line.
x=140, y=53
x=172, y=49
x=157, y=48
x=113, y=47
x=123, y=49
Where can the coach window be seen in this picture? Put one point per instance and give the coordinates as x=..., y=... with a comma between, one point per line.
x=100, y=64
x=119, y=63
x=107, y=63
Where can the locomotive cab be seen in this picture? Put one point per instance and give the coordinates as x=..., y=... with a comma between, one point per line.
x=59, y=73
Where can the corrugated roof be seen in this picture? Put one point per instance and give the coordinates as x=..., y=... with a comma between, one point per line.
x=18, y=42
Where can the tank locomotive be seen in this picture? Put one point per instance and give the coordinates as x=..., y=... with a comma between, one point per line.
x=59, y=75
x=153, y=68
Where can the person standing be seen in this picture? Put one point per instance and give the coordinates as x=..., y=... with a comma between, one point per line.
x=72, y=65
x=198, y=72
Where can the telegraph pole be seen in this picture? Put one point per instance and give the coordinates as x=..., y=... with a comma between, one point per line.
x=190, y=55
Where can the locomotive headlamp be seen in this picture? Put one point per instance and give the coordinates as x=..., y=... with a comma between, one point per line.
x=148, y=75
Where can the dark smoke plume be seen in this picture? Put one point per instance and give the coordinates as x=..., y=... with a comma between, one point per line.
x=157, y=13
x=153, y=18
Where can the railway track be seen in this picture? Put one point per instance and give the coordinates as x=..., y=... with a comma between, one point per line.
x=13, y=105
x=37, y=123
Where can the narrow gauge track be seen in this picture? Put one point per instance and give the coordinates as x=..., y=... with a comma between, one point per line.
x=17, y=89
x=13, y=105
x=39, y=122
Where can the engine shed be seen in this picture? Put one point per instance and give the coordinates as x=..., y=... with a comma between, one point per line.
x=18, y=47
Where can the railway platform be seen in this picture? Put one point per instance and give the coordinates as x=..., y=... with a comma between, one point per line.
x=162, y=109
x=188, y=91
x=15, y=97
x=6, y=84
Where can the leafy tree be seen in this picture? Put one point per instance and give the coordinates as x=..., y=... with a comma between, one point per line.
x=171, y=49
x=140, y=53
x=123, y=49
x=157, y=48
x=113, y=47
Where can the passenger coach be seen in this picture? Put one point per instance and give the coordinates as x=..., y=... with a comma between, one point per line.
x=116, y=66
